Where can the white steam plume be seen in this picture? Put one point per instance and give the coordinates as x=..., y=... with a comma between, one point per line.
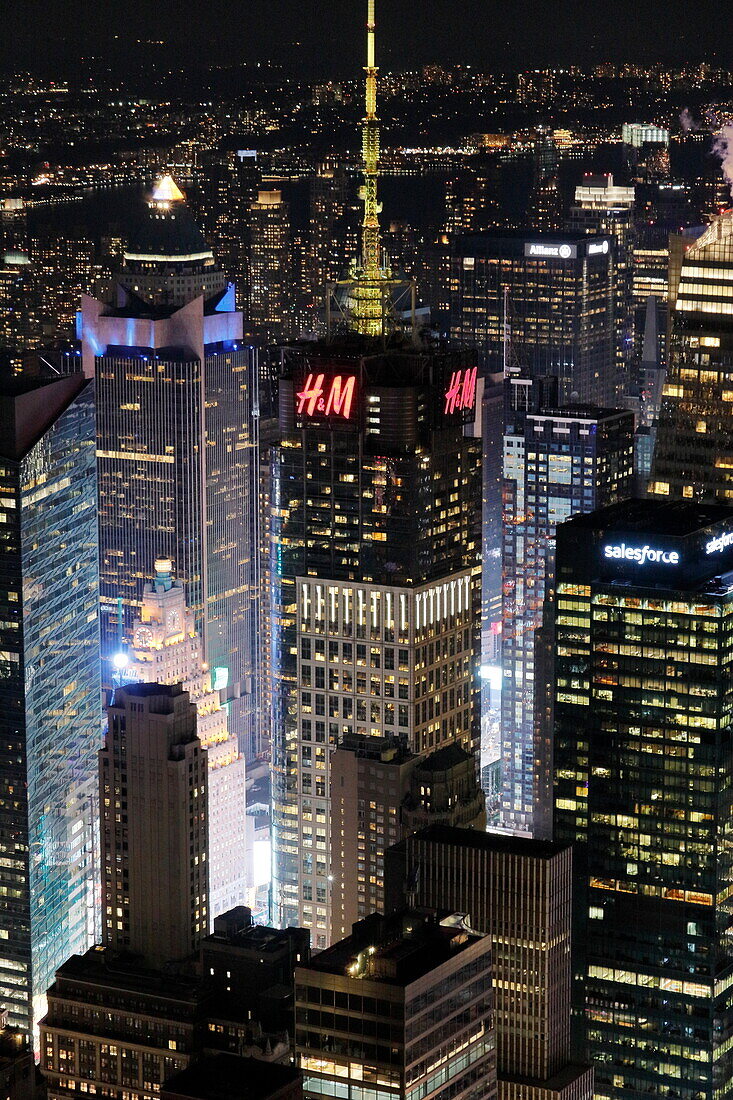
x=723, y=148
x=687, y=121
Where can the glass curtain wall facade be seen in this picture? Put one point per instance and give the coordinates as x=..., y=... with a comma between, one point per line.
x=694, y=451
x=643, y=636
x=543, y=305
x=557, y=462
x=50, y=707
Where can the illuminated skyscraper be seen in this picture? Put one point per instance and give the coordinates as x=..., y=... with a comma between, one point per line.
x=643, y=646
x=557, y=461
x=50, y=713
x=271, y=284
x=694, y=450
x=382, y=792
x=228, y=184
x=555, y=296
x=329, y=193
x=604, y=208
x=375, y=544
x=174, y=445
x=166, y=649
x=152, y=789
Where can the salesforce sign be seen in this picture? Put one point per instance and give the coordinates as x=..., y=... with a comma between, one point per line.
x=719, y=543
x=641, y=555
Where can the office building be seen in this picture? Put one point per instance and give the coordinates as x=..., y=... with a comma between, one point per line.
x=50, y=710
x=257, y=963
x=65, y=267
x=643, y=763
x=693, y=457
x=603, y=208
x=329, y=219
x=638, y=134
x=557, y=461
x=492, y=434
x=375, y=550
x=271, y=284
x=176, y=462
x=403, y=1006
x=380, y=793
x=518, y=893
x=20, y=317
x=116, y=1030
x=228, y=183
x=551, y=298
x=152, y=788
x=166, y=649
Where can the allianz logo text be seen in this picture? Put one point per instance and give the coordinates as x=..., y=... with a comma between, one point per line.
x=719, y=543
x=641, y=554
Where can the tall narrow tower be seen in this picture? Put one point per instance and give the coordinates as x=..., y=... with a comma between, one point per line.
x=371, y=275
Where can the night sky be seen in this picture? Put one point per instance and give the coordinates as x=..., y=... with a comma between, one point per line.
x=44, y=34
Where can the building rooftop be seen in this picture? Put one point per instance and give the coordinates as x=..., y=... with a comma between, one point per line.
x=228, y=1077
x=235, y=928
x=29, y=406
x=677, y=518
x=397, y=949
x=445, y=758
x=166, y=229
x=497, y=842
x=141, y=690
x=112, y=972
x=579, y=412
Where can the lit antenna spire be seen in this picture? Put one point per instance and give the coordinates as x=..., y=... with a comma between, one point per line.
x=371, y=282
x=370, y=245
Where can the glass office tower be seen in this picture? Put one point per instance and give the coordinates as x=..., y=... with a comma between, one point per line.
x=375, y=542
x=177, y=462
x=643, y=637
x=50, y=707
x=543, y=305
x=694, y=454
x=557, y=461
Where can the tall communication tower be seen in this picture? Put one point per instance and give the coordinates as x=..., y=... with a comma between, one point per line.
x=370, y=289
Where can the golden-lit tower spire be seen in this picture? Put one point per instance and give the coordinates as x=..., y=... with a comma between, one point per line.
x=371, y=281
x=370, y=244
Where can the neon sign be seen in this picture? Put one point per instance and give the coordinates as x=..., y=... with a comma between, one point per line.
x=551, y=251
x=327, y=397
x=719, y=543
x=461, y=392
x=641, y=554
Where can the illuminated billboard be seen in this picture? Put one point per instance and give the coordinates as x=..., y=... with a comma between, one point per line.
x=327, y=397
x=461, y=392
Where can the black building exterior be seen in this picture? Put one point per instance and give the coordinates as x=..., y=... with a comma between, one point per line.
x=643, y=700
x=377, y=494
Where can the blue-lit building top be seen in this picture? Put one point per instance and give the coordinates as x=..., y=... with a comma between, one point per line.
x=175, y=448
x=50, y=711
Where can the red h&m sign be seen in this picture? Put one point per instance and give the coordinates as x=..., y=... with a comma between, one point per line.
x=461, y=393
x=323, y=396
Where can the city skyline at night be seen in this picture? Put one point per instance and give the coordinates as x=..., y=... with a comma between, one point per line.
x=366, y=551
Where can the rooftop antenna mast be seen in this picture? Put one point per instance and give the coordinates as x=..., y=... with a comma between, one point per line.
x=373, y=295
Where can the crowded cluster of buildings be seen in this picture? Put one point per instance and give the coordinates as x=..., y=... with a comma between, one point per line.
x=438, y=580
